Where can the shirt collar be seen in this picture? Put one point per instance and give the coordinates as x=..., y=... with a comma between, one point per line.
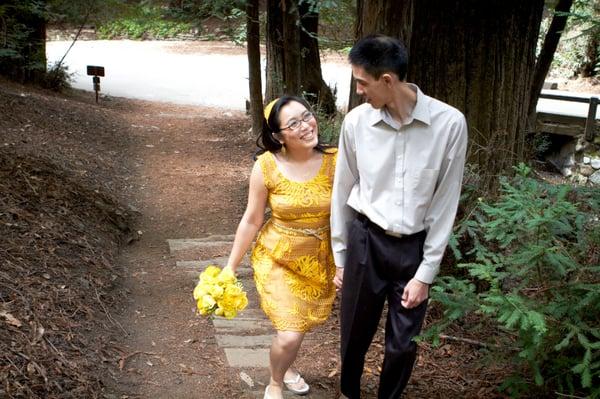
x=420, y=112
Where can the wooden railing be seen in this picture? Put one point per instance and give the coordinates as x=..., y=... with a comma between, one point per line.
x=570, y=125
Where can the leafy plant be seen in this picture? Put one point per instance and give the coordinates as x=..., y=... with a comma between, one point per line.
x=146, y=22
x=534, y=273
x=58, y=78
x=579, y=47
x=329, y=127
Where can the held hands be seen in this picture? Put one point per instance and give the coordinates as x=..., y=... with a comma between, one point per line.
x=415, y=292
x=338, y=278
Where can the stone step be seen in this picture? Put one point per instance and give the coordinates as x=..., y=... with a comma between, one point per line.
x=246, y=357
x=251, y=313
x=237, y=326
x=183, y=244
x=244, y=341
x=199, y=265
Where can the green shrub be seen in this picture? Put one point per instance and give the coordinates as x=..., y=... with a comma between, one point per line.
x=329, y=128
x=534, y=273
x=58, y=78
x=144, y=22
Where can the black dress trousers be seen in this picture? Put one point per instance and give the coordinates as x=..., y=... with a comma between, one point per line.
x=378, y=267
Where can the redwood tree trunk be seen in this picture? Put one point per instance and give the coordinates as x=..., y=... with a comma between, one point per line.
x=283, y=49
x=293, y=61
x=254, y=78
x=542, y=65
x=313, y=85
x=390, y=17
x=480, y=57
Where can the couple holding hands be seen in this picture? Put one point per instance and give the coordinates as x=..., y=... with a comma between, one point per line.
x=370, y=219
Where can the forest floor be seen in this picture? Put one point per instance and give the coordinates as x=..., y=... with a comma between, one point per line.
x=169, y=171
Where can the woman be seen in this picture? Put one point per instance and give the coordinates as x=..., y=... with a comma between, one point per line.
x=292, y=260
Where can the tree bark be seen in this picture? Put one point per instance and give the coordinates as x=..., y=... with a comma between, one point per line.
x=313, y=85
x=480, y=57
x=293, y=59
x=283, y=49
x=592, y=58
x=544, y=60
x=392, y=18
x=254, y=73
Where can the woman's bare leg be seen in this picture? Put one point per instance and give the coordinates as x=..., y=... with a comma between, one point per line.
x=284, y=350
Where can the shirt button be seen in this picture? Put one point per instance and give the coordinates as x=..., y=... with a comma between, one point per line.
x=398, y=203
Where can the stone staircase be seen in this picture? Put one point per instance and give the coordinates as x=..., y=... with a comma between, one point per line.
x=247, y=338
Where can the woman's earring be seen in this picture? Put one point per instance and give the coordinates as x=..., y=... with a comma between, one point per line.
x=282, y=149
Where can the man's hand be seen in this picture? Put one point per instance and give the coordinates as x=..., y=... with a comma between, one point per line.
x=415, y=292
x=338, y=278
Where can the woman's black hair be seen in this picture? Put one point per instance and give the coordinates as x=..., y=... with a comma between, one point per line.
x=266, y=141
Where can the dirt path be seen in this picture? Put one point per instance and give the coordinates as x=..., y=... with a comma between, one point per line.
x=191, y=165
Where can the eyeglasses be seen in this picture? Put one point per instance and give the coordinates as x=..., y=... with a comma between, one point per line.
x=295, y=124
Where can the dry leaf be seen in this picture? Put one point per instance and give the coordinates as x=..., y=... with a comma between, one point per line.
x=247, y=379
x=10, y=319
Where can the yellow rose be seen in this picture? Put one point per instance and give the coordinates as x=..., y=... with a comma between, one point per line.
x=216, y=291
x=233, y=290
x=229, y=314
x=202, y=311
x=200, y=290
x=207, y=302
x=226, y=277
x=212, y=271
x=209, y=275
x=234, y=299
x=242, y=302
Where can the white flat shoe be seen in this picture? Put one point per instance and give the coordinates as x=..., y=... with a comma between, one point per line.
x=292, y=385
x=267, y=396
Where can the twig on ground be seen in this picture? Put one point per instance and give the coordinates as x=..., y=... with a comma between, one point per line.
x=466, y=340
x=564, y=395
x=125, y=357
x=116, y=323
x=28, y=183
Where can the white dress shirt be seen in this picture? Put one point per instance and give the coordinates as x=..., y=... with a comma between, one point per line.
x=404, y=177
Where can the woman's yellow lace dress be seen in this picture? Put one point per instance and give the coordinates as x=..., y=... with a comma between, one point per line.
x=292, y=259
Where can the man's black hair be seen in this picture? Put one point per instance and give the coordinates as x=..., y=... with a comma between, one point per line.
x=379, y=54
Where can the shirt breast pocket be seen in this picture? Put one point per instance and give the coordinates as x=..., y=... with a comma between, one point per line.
x=422, y=186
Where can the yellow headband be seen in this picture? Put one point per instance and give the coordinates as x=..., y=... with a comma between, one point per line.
x=268, y=109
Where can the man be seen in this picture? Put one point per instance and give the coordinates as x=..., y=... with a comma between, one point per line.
x=395, y=194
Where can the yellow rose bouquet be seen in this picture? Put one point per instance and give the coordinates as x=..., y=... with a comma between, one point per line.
x=220, y=293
